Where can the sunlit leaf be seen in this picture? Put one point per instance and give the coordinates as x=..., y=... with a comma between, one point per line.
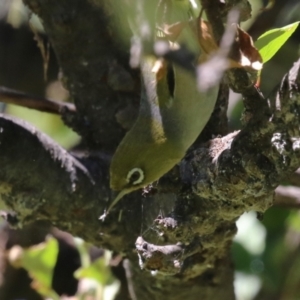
x=39, y=261
x=271, y=41
x=98, y=270
x=50, y=124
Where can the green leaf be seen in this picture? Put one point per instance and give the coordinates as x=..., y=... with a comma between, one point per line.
x=99, y=270
x=39, y=261
x=99, y=282
x=271, y=41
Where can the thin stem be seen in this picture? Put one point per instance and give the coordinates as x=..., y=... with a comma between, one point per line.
x=34, y=102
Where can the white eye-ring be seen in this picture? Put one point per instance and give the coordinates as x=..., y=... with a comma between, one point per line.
x=135, y=176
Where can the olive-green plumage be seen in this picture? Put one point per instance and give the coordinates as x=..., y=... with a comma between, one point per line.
x=167, y=124
x=164, y=130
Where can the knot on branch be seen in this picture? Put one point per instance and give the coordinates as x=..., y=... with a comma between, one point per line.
x=165, y=259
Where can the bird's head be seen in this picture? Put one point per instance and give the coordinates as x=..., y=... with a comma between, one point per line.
x=139, y=161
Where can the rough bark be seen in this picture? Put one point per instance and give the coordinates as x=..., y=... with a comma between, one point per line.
x=188, y=223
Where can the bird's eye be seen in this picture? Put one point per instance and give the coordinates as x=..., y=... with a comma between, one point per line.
x=135, y=176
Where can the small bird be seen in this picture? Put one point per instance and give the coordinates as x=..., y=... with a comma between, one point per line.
x=167, y=125
x=170, y=119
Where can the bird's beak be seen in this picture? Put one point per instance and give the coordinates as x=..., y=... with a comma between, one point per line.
x=117, y=199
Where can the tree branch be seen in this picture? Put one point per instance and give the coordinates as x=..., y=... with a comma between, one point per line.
x=287, y=196
x=42, y=104
x=248, y=165
x=39, y=180
x=95, y=67
x=294, y=179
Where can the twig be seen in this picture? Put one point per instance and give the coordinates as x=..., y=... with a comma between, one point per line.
x=211, y=72
x=45, y=50
x=256, y=107
x=287, y=196
x=34, y=102
x=294, y=179
x=128, y=273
